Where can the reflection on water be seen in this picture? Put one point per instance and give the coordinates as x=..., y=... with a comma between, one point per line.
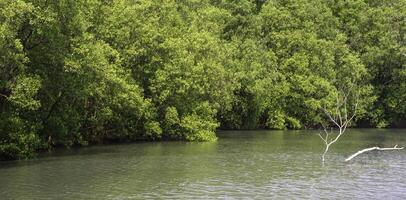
x=242, y=164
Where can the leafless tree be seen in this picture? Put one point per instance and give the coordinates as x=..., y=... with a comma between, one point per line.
x=340, y=116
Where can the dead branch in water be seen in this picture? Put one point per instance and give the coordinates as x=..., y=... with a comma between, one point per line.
x=340, y=118
x=371, y=149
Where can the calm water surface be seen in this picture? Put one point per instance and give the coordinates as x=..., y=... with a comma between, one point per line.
x=240, y=165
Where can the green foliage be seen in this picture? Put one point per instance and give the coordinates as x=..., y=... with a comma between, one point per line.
x=200, y=125
x=18, y=87
x=89, y=71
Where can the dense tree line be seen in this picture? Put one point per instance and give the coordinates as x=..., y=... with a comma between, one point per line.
x=88, y=71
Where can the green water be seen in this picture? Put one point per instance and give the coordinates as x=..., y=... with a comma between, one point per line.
x=241, y=165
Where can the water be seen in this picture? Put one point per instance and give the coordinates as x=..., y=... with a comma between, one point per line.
x=241, y=165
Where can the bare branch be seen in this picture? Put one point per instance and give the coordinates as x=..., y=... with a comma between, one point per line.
x=326, y=133
x=329, y=116
x=338, y=105
x=352, y=117
x=371, y=149
x=339, y=118
x=322, y=138
x=338, y=136
x=345, y=109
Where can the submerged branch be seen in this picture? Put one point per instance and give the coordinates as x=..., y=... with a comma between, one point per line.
x=371, y=149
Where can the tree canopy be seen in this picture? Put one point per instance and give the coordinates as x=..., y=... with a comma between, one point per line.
x=90, y=71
